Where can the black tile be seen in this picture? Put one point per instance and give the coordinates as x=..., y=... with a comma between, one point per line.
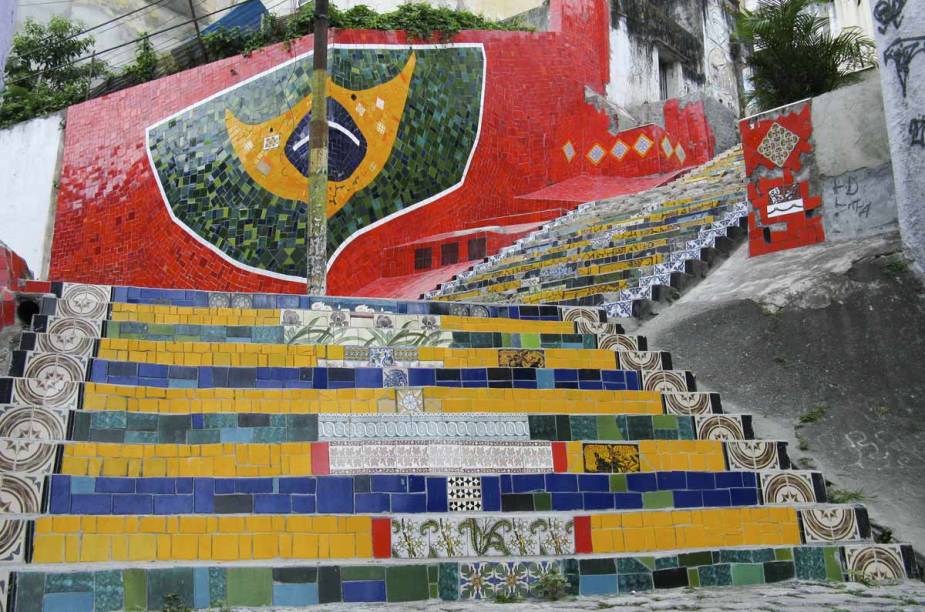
x=563, y=427
x=361, y=484
x=517, y=502
x=242, y=377
x=670, y=578
x=295, y=575
x=234, y=504
x=597, y=566
x=253, y=420
x=542, y=426
x=777, y=571
x=329, y=584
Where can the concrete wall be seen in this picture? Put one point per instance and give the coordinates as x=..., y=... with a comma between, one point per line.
x=900, y=37
x=852, y=168
x=7, y=25
x=820, y=169
x=29, y=155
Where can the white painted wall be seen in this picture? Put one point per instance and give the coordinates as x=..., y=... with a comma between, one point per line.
x=28, y=171
x=719, y=68
x=633, y=69
x=7, y=27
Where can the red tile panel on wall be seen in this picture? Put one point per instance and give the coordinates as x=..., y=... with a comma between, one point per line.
x=784, y=213
x=113, y=227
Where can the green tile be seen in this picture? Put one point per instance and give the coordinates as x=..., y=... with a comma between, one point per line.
x=649, y=562
x=218, y=583
x=747, y=573
x=833, y=569
x=810, y=563
x=618, y=483
x=607, y=428
x=432, y=573
x=136, y=589
x=715, y=575
x=71, y=582
x=666, y=562
x=251, y=586
x=583, y=427
x=693, y=577
x=448, y=582
x=433, y=591
x=30, y=589
x=406, y=583
x=630, y=565
x=542, y=501
x=639, y=427
x=528, y=340
x=362, y=572
x=778, y=571
x=695, y=559
x=664, y=421
x=783, y=554
x=108, y=593
x=170, y=585
x=657, y=499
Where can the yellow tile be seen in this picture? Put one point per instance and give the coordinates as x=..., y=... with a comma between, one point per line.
x=48, y=548
x=225, y=547
x=303, y=546
x=142, y=547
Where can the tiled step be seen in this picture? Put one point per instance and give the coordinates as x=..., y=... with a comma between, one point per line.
x=303, y=585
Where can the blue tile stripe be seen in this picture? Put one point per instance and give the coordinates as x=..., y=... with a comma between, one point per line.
x=207, y=377
x=407, y=494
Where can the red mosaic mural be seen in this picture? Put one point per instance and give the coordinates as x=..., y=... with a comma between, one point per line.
x=14, y=273
x=112, y=225
x=784, y=214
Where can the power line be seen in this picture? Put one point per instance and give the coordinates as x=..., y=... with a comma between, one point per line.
x=96, y=55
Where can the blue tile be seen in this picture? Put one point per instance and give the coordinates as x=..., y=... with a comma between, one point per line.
x=598, y=501
x=173, y=504
x=389, y=484
x=201, y=587
x=491, y=493
x=561, y=483
x=67, y=602
x=156, y=485
x=593, y=482
x=597, y=584
x=545, y=379
x=421, y=377
x=371, y=502
x=253, y=485
x=688, y=499
x=224, y=486
x=303, y=504
x=292, y=595
x=474, y=374
x=83, y=484
x=526, y=483
x=297, y=485
x=567, y=501
x=416, y=484
x=716, y=497
x=565, y=374
x=132, y=504
x=272, y=504
x=727, y=480
x=59, y=500
x=669, y=481
x=744, y=497
x=436, y=494
x=335, y=495
x=627, y=501
x=364, y=590
x=506, y=484
x=749, y=479
x=409, y=502
x=701, y=480
x=105, y=484
x=98, y=372
x=152, y=370
x=184, y=485
x=641, y=482
x=368, y=378
x=91, y=504
x=203, y=497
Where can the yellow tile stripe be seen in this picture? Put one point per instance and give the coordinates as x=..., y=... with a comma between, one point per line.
x=663, y=455
x=187, y=460
x=185, y=315
x=302, y=356
x=88, y=539
x=294, y=458
x=98, y=396
x=680, y=529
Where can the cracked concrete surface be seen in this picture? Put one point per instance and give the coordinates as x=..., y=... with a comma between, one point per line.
x=833, y=333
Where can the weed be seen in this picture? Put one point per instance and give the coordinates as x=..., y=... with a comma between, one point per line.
x=811, y=416
x=174, y=603
x=552, y=586
x=780, y=360
x=844, y=496
x=803, y=443
x=506, y=598
x=883, y=536
x=896, y=265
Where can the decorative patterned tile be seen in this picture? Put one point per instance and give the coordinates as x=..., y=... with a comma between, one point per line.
x=830, y=524
x=464, y=493
x=787, y=488
x=720, y=427
x=665, y=381
x=611, y=458
x=409, y=401
x=439, y=457
x=778, y=144
x=380, y=427
x=752, y=455
x=875, y=562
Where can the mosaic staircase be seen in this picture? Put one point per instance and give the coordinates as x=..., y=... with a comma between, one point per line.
x=622, y=253
x=183, y=448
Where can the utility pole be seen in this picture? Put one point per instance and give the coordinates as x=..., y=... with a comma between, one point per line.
x=202, y=45
x=317, y=222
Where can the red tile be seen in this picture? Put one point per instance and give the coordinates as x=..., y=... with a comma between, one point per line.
x=321, y=464
x=583, y=535
x=559, y=457
x=382, y=538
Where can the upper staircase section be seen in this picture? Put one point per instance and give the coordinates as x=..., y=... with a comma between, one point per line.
x=618, y=253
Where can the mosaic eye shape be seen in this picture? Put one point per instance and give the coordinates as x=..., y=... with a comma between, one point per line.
x=403, y=124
